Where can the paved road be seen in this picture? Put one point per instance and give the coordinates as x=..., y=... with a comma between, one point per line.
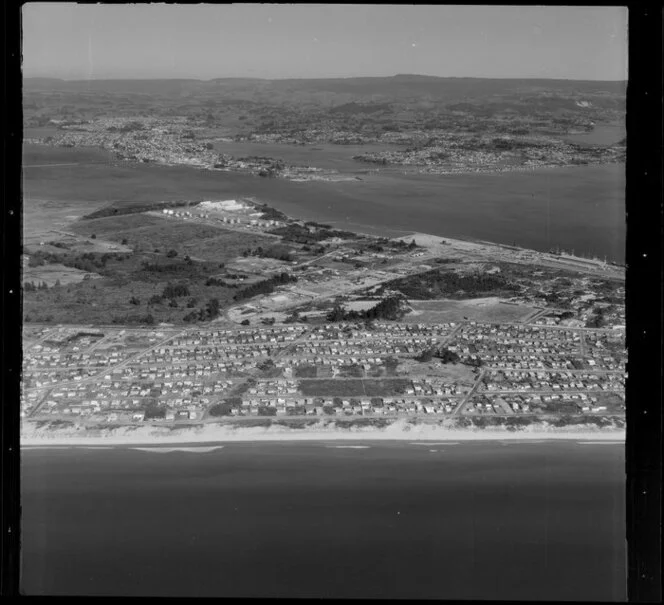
x=470, y=393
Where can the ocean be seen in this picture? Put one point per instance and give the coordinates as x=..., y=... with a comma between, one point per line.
x=480, y=520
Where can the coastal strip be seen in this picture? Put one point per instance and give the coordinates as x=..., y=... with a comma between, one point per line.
x=397, y=431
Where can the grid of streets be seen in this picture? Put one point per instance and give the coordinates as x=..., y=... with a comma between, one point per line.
x=169, y=375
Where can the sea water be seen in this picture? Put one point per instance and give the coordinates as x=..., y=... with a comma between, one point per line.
x=480, y=520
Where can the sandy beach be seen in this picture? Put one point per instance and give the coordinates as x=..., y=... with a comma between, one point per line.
x=399, y=430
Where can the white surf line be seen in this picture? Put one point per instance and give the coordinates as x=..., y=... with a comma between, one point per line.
x=168, y=450
x=525, y=441
x=349, y=447
x=427, y=443
x=601, y=442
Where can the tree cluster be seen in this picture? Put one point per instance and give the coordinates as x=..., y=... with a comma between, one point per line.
x=277, y=251
x=87, y=261
x=154, y=411
x=271, y=214
x=266, y=286
x=210, y=311
x=390, y=308
x=175, y=291
x=444, y=355
x=31, y=287
x=215, y=281
x=436, y=284
x=304, y=235
x=165, y=268
x=597, y=319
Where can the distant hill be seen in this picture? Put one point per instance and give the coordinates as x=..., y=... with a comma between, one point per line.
x=398, y=87
x=388, y=101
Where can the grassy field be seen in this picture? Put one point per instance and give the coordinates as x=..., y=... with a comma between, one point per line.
x=307, y=371
x=149, y=233
x=43, y=216
x=451, y=372
x=113, y=225
x=51, y=274
x=354, y=388
x=481, y=309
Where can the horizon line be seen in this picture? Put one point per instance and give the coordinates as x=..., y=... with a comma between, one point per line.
x=317, y=78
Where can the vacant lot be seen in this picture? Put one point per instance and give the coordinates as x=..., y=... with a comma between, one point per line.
x=354, y=387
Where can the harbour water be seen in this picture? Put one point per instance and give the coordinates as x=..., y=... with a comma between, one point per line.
x=579, y=209
x=480, y=520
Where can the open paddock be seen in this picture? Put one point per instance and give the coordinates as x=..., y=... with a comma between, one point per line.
x=151, y=232
x=450, y=372
x=42, y=216
x=490, y=309
x=254, y=264
x=57, y=242
x=112, y=225
x=359, y=305
x=52, y=274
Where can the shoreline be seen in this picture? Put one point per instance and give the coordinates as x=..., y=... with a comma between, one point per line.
x=220, y=434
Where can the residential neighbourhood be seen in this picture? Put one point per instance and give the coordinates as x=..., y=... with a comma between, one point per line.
x=166, y=374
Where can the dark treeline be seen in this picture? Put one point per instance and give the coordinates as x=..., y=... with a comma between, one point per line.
x=31, y=287
x=175, y=290
x=278, y=252
x=133, y=208
x=215, y=281
x=135, y=319
x=266, y=286
x=185, y=266
x=304, y=235
x=87, y=261
x=271, y=214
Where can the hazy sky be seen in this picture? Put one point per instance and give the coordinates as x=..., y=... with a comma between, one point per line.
x=204, y=41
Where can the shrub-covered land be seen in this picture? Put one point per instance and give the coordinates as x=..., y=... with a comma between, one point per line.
x=439, y=283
